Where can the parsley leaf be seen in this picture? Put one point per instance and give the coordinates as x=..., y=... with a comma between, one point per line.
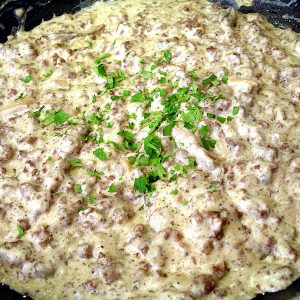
x=77, y=188
x=225, y=78
x=152, y=145
x=112, y=188
x=27, y=78
x=229, y=119
x=48, y=73
x=21, y=96
x=126, y=134
x=209, y=79
x=167, y=131
x=221, y=119
x=100, y=70
x=184, y=202
x=208, y=144
x=58, y=117
x=116, y=146
x=90, y=44
x=147, y=74
x=36, y=113
x=138, y=97
x=91, y=199
x=174, y=192
x=235, y=110
x=101, y=57
x=193, y=115
x=128, y=141
x=141, y=184
x=20, y=231
x=100, y=153
x=204, y=131
x=167, y=55
x=75, y=162
x=95, y=173
x=192, y=74
x=191, y=162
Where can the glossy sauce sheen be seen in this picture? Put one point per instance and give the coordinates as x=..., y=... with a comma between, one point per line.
x=230, y=232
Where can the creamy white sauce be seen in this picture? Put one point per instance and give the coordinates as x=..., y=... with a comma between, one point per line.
x=230, y=232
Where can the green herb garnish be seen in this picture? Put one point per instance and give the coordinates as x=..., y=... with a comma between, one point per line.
x=57, y=117
x=235, y=110
x=100, y=153
x=112, y=188
x=95, y=173
x=20, y=231
x=184, y=202
x=75, y=163
x=91, y=199
x=27, y=78
x=48, y=73
x=77, y=188
x=36, y=113
x=174, y=192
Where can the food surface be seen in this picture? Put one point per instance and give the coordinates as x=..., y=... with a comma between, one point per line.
x=150, y=150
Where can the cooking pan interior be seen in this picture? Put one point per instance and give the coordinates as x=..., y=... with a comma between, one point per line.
x=282, y=13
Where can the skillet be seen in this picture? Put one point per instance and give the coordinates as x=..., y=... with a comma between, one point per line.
x=282, y=13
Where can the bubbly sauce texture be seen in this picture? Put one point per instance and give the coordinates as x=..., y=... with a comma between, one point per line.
x=150, y=150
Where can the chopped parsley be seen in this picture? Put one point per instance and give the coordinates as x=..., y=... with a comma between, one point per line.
x=206, y=143
x=212, y=189
x=211, y=80
x=193, y=115
x=112, y=79
x=147, y=74
x=57, y=117
x=91, y=199
x=225, y=78
x=48, y=73
x=192, y=74
x=131, y=125
x=20, y=231
x=100, y=153
x=37, y=113
x=174, y=192
x=128, y=140
x=77, y=188
x=167, y=131
x=75, y=163
x=166, y=57
x=235, y=110
x=184, y=202
x=27, y=78
x=112, y=188
x=191, y=162
x=138, y=97
x=21, y=96
x=100, y=70
x=116, y=146
x=141, y=184
x=90, y=44
x=187, y=106
x=102, y=57
x=152, y=145
x=95, y=173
